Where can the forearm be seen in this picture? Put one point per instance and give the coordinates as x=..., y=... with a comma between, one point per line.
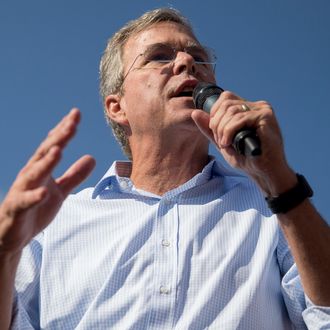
x=308, y=236
x=8, y=267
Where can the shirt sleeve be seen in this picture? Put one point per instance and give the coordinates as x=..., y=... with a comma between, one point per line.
x=26, y=301
x=302, y=312
x=316, y=317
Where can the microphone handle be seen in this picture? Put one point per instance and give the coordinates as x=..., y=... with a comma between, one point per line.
x=245, y=142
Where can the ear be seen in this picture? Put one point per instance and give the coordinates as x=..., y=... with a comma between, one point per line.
x=114, y=110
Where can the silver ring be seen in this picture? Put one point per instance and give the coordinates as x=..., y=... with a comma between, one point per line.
x=245, y=107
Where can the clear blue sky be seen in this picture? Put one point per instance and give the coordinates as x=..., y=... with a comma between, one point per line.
x=273, y=50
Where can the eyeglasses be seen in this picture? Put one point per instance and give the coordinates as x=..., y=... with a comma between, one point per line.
x=159, y=55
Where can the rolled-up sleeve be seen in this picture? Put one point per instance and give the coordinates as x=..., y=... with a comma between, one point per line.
x=316, y=317
x=302, y=312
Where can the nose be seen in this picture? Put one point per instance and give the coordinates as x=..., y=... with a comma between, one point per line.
x=184, y=62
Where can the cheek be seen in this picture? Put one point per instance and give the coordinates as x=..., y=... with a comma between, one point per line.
x=143, y=106
x=147, y=96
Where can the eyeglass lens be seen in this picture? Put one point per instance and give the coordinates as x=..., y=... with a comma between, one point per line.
x=159, y=53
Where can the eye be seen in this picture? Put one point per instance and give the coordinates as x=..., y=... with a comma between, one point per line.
x=199, y=58
x=160, y=56
x=198, y=54
x=159, y=53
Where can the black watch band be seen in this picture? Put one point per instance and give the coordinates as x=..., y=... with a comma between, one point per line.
x=291, y=198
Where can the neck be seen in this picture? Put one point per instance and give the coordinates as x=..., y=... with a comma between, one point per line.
x=159, y=168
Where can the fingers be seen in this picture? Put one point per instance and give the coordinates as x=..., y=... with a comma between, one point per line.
x=34, y=173
x=48, y=154
x=231, y=124
x=16, y=202
x=59, y=135
x=231, y=113
x=34, y=198
x=77, y=173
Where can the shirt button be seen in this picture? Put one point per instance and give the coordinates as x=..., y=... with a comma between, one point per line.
x=165, y=242
x=164, y=289
x=123, y=184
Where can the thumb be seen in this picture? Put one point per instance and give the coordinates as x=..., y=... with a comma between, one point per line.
x=202, y=120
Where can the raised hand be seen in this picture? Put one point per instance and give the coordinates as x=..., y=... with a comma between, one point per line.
x=35, y=196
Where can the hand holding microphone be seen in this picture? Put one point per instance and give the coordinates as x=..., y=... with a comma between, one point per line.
x=246, y=141
x=229, y=125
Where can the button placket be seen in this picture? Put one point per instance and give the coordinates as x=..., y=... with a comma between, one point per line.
x=165, y=263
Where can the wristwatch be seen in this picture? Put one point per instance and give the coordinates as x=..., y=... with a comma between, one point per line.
x=291, y=198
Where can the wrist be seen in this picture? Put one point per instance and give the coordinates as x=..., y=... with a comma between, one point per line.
x=10, y=257
x=290, y=198
x=274, y=184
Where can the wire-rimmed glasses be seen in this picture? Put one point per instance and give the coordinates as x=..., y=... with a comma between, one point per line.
x=159, y=55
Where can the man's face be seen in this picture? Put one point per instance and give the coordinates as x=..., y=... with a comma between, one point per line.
x=158, y=100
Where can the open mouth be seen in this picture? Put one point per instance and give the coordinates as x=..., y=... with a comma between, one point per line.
x=186, y=92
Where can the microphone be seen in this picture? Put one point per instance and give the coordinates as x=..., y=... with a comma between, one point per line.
x=245, y=142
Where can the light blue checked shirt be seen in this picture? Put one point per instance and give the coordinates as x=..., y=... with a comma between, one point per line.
x=206, y=255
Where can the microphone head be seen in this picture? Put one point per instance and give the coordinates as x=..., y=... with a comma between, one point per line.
x=204, y=90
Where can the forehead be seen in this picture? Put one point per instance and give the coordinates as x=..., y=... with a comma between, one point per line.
x=163, y=32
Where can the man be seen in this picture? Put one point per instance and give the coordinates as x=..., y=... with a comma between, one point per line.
x=172, y=239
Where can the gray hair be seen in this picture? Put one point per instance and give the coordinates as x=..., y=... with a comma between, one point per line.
x=111, y=65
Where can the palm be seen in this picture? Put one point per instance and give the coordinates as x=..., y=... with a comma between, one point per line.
x=35, y=197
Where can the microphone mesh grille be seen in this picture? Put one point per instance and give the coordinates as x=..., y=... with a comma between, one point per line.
x=204, y=90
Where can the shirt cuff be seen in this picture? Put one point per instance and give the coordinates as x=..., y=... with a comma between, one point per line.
x=316, y=317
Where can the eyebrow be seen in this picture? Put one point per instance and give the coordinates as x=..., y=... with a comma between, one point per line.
x=155, y=46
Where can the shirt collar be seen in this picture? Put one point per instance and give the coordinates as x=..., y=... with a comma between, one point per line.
x=119, y=171
x=118, y=176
